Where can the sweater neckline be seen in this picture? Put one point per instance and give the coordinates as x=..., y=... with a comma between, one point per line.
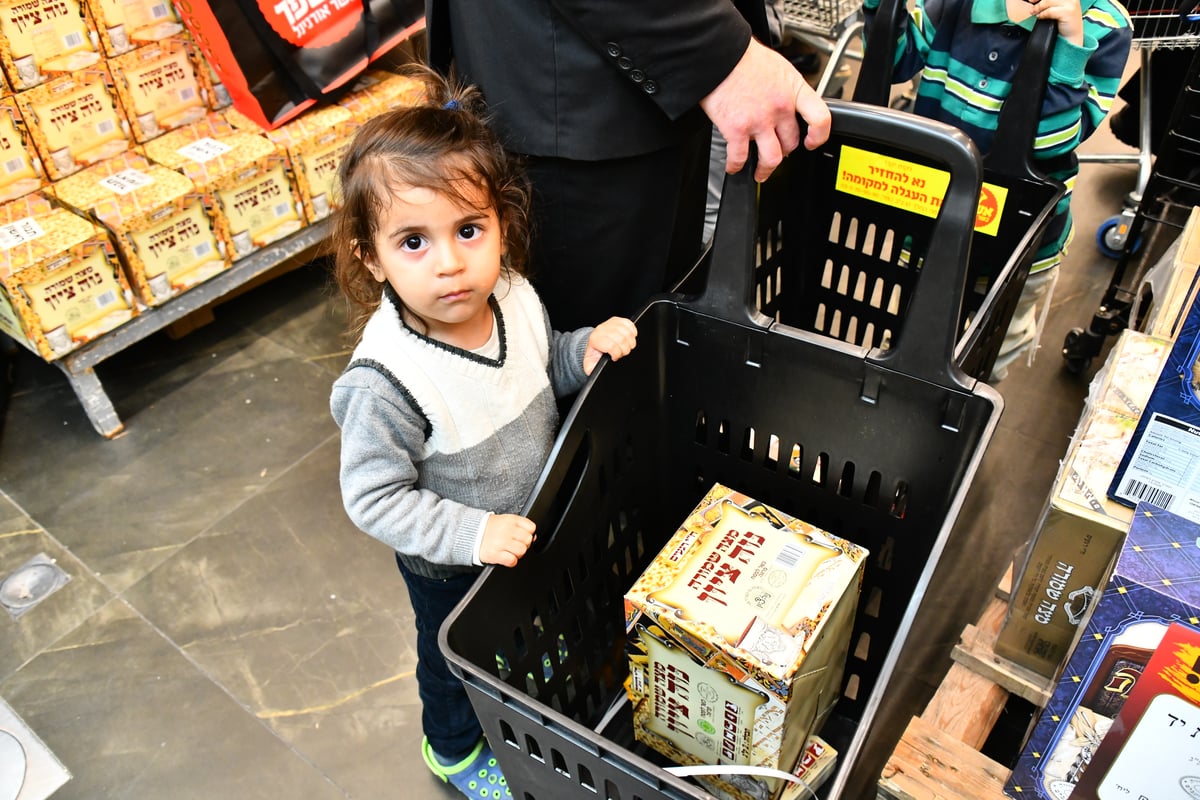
x=392, y=299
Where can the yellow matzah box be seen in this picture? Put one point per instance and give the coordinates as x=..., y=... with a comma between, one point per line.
x=39, y=38
x=247, y=176
x=377, y=91
x=62, y=285
x=75, y=121
x=739, y=631
x=157, y=218
x=160, y=87
x=315, y=143
x=20, y=168
x=124, y=24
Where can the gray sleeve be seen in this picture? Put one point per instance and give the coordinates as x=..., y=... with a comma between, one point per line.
x=566, y=358
x=382, y=434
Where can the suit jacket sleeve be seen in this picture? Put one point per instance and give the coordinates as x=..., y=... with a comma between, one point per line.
x=676, y=51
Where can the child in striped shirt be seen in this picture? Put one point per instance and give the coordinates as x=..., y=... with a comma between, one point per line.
x=966, y=53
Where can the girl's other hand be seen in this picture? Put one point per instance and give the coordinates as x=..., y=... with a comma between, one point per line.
x=506, y=538
x=615, y=337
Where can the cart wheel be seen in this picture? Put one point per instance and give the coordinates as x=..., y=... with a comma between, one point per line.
x=1112, y=241
x=1109, y=238
x=1074, y=363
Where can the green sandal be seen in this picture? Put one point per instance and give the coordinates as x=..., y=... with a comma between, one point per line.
x=477, y=776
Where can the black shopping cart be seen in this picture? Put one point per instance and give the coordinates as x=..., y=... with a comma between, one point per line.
x=829, y=274
x=879, y=447
x=1172, y=188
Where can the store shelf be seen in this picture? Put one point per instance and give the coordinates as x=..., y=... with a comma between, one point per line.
x=79, y=365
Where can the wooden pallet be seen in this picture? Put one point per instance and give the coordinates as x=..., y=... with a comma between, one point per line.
x=938, y=755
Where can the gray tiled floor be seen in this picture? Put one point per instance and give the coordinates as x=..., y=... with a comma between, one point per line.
x=226, y=633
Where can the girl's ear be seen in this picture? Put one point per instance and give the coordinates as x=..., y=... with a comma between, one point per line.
x=369, y=263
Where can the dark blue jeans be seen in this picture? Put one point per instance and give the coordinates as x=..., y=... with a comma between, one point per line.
x=447, y=718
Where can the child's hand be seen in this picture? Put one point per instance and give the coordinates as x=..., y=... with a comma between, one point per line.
x=1066, y=13
x=614, y=337
x=506, y=538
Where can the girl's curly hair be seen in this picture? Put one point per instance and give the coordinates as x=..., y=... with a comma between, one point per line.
x=444, y=144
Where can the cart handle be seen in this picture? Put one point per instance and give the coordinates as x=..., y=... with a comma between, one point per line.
x=926, y=350
x=1011, y=152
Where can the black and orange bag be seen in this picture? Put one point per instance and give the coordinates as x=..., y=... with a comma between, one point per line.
x=278, y=57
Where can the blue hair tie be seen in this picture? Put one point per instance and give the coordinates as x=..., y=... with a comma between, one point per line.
x=452, y=105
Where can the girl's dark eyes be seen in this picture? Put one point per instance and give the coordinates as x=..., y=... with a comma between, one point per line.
x=469, y=231
x=411, y=243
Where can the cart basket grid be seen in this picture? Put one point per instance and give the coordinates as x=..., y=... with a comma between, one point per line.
x=875, y=446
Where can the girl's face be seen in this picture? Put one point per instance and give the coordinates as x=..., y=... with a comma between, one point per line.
x=443, y=259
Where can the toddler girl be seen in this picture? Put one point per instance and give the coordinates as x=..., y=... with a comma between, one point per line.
x=448, y=406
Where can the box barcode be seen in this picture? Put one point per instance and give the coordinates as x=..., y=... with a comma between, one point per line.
x=14, y=165
x=202, y=250
x=282, y=209
x=107, y=299
x=1140, y=490
x=73, y=39
x=105, y=126
x=789, y=556
x=158, y=11
x=187, y=93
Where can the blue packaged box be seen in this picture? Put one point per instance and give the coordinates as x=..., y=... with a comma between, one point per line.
x=1162, y=463
x=1156, y=581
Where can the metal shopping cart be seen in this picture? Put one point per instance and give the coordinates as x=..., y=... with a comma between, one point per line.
x=876, y=446
x=830, y=26
x=1156, y=25
x=1172, y=187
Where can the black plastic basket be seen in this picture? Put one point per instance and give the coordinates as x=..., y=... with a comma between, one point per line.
x=834, y=271
x=878, y=447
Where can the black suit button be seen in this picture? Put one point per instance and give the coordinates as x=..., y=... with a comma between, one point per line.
x=637, y=76
x=624, y=63
x=649, y=87
x=614, y=49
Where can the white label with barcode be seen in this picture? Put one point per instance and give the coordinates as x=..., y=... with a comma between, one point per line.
x=204, y=149
x=73, y=39
x=158, y=10
x=187, y=94
x=106, y=299
x=789, y=556
x=126, y=181
x=105, y=127
x=14, y=165
x=282, y=209
x=1165, y=467
x=202, y=250
x=19, y=232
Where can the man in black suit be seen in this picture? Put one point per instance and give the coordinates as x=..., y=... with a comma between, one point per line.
x=612, y=103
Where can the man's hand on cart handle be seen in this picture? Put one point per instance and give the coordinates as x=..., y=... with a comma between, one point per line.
x=758, y=101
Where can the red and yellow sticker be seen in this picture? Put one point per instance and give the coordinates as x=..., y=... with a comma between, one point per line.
x=912, y=187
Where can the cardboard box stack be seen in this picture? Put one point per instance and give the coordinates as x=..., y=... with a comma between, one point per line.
x=161, y=87
x=158, y=220
x=1156, y=582
x=1080, y=530
x=61, y=283
x=39, y=38
x=246, y=176
x=75, y=121
x=739, y=631
x=314, y=143
x=123, y=25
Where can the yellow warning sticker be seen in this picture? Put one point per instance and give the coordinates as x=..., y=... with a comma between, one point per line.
x=915, y=188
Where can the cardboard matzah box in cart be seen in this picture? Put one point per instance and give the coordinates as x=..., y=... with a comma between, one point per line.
x=61, y=283
x=157, y=218
x=739, y=631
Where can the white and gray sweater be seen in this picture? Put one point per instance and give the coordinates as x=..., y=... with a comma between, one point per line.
x=434, y=437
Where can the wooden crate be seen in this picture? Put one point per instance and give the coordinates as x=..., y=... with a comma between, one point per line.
x=938, y=756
